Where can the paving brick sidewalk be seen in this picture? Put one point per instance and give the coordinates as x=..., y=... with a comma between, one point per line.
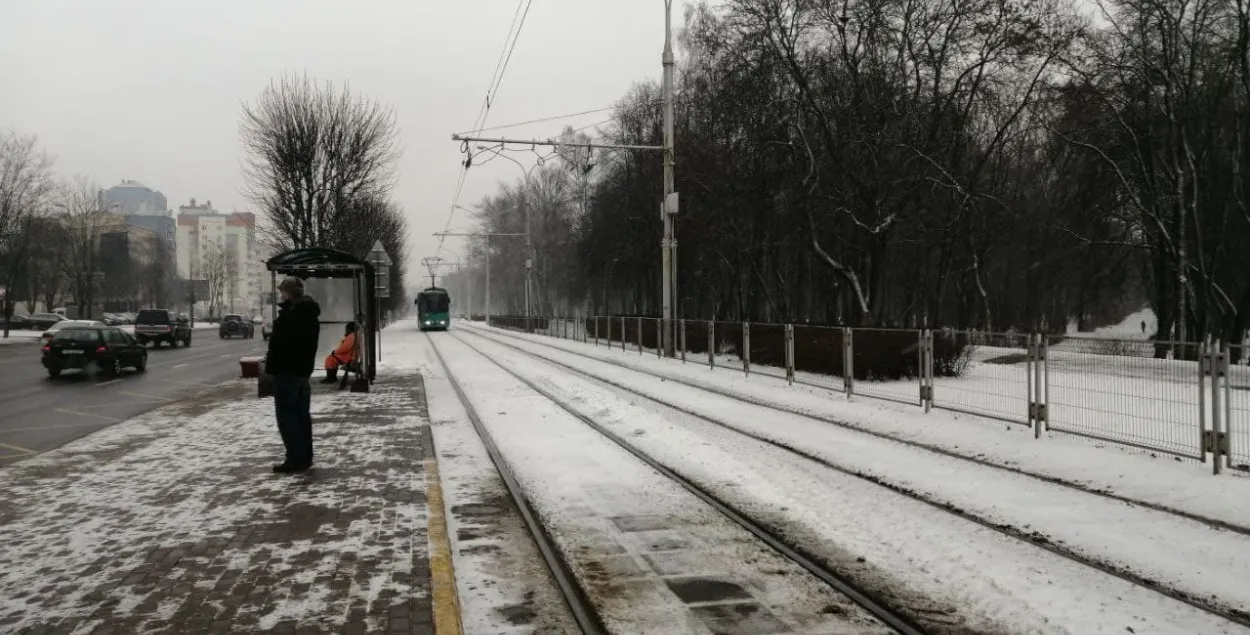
x=173, y=523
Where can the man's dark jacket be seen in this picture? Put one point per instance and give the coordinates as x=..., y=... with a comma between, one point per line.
x=293, y=343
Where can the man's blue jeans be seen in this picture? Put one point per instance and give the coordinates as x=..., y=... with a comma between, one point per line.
x=292, y=399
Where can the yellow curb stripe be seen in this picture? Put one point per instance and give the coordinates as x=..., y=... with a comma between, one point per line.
x=446, y=601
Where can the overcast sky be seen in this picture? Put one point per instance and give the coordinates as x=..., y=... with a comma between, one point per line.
x=151, y=90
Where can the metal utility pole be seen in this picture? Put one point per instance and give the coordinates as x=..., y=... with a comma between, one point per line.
x=668, y=206
x=529, y=265
x=668, y=244
x=488, y=236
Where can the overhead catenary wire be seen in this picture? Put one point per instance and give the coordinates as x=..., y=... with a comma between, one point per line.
x=501, y=66
x=542, y=120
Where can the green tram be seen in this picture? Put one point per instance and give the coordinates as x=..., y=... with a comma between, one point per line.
x=434, y=309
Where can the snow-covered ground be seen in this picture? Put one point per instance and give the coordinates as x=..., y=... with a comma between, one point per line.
x=1201, y=561
x=502, y=584
x=987, y=580
x=1160, y=482
x=1130, y=328
x=20, y=337
x=173, y=519
x=1107, y=391
x=635, y=540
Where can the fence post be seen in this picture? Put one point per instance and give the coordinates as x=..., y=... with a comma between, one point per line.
x=596, y=319
x=1215, y=362
x=1044, y=395
x=746, y=349
x=711, y=344
x=789, y=332
x=1038, y=379
x=640, y=335
x=1227, y=432
x=926, y=369
x=920, y=367
x=1030, y=364
x=848, y=362
x=659, y=338
x=1204, y=369
x=681, y=324
x=624, y=337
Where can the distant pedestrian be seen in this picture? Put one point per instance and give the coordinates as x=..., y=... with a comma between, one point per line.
x=1143, y=327
x=292, y=354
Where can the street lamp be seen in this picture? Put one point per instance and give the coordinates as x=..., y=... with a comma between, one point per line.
x=381, y=284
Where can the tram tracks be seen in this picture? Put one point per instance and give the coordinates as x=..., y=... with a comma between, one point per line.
x=919, y=445
x=1232, y=614
x=580, y=604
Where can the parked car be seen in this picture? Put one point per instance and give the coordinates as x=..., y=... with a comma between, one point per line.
x=56, y=328
x=98, y=348
x=16, y=322
x=266, y=329
x=162, y=326
x=41, y=321
x=235, y=326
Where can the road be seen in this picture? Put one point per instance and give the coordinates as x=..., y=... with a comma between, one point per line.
x=38, y=414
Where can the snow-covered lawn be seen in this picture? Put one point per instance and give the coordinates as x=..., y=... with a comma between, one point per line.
x=1104, y=390
x=20, y=337
x=1200, y=561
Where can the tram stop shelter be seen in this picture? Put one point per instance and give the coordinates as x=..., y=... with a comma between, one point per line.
x=344, y=286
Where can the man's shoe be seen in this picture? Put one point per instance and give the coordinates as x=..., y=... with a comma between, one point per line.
x=289, y=468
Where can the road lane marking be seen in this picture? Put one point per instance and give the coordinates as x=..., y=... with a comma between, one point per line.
x=139, y=394
x=180, y=365
x=105, y=383
x=20, y=450
x=51, y=427
x=89, y=414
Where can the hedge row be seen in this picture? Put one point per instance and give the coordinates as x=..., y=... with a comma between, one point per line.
x=878, y=354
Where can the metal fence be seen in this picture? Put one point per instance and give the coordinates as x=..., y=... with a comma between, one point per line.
x=1182, y=399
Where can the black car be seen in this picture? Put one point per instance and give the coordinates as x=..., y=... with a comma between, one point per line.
x=103, y=350
x=236, y=326
x=162, y=325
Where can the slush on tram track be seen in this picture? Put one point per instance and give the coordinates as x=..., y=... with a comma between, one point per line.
x=1206, y=605
x=724, y=605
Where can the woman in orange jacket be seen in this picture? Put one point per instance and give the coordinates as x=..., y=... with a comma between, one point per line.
x=344, y=354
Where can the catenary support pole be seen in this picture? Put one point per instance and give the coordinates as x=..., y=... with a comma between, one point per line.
x=668, y=246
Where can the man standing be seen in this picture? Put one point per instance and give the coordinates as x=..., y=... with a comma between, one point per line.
x=292, y=351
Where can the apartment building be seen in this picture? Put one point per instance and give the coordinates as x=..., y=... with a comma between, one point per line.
x=221, y=248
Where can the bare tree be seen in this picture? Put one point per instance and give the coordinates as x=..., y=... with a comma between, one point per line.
x=231, y=271
x=312, y=150
x=376, y=218
x=216, y=271
x=80, y=210
x=25, y=181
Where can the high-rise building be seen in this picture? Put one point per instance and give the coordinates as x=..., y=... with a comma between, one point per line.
x=135, y=198
x=222, y=249
x=147, y=210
